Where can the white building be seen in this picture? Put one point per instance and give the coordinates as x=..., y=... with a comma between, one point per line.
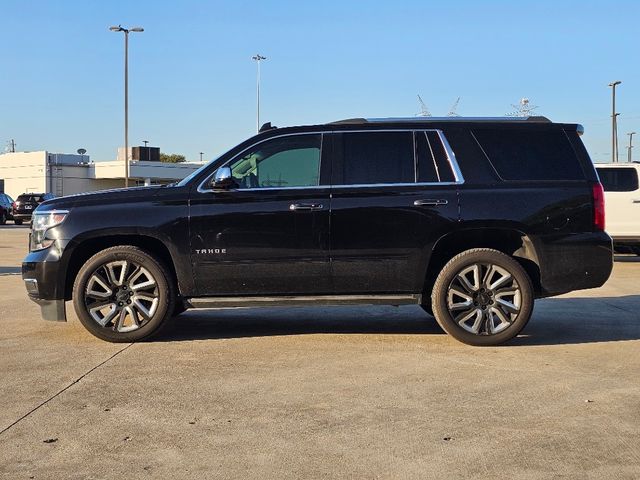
x=66, y=174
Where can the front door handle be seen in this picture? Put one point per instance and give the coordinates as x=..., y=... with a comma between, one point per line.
x=430, y=202
x=294, y=207
x=636, y=200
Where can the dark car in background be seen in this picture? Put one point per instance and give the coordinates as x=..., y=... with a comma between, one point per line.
x=6, y=208
x=26, y=203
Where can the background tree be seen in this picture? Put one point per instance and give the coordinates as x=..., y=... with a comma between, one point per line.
x=172, y=158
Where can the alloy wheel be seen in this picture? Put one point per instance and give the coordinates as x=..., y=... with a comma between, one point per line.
x=121, y=295
x=484, y=299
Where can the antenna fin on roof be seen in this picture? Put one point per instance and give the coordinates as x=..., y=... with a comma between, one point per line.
x=265, y=127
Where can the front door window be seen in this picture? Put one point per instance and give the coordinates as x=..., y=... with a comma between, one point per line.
x=292, y=161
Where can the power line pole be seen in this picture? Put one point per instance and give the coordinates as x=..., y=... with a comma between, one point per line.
x=258, y=58
x=631, y=134
x=12, y=146
x=614, y=122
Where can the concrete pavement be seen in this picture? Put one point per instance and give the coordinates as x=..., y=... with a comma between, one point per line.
x=362, y=392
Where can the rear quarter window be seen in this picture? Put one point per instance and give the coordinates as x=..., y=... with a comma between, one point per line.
x=618, y=179
x=530, y=154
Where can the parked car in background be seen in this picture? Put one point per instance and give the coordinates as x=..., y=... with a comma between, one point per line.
x=622, y=204
x=26, y=203
x=472, y=219
x=6, y=208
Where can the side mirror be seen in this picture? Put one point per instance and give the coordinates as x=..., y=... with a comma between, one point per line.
x=223, y=180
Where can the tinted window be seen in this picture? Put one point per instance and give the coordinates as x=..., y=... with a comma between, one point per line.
x=433, y=163
x=530, y=154
x=375, y=157
x=618, y=179
x=30, y=198
x=292, y=161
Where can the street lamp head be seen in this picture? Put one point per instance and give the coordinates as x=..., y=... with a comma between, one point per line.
x=136, y=29
x=613, y=84
x=258, y=57
x=116, y=29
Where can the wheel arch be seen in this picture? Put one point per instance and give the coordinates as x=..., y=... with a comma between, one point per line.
x=88, y=247
x=510, y=241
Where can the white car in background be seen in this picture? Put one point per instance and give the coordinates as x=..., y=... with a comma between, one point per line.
x=622, y=204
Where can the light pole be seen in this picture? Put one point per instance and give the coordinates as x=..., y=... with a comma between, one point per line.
x=614, y=122
x=201, y=153
x=631, y=134
x=146, y=142
x=126, y=31
x=258, y=58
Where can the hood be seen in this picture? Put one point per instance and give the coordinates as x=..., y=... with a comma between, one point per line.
x=104, y=197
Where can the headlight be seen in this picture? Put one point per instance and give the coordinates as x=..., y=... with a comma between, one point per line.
x=40, y=223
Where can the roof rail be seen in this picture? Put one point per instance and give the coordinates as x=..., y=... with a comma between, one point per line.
x=354, y=121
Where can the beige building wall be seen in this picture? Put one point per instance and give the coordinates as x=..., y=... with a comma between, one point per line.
x=23, y=172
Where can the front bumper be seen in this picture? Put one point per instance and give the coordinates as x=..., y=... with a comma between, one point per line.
x=574, y=262
x=44, y=281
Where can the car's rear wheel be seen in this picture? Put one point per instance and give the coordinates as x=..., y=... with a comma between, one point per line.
x=17, y=222
x=482, y=297
x=123, y=294
x=3, y=218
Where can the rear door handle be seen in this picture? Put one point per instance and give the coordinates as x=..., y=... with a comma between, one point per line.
x=294, y=207
x=636, y=201
x=430, y=202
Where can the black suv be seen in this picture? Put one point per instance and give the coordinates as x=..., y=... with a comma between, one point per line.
x=25, y=205
x=471, y=218
x=6, y=208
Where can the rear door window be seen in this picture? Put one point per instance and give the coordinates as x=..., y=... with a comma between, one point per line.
x=433, y=163
x=367, y=158
x=530, y=154
x=618, y=179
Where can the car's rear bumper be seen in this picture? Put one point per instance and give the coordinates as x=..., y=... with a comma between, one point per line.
x=574, y=262
x=25, y=217
x=42, y=276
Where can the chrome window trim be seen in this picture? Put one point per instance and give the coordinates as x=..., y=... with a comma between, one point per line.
x=453, y=163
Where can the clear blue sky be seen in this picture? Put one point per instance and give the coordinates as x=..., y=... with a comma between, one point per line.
x=192, y=81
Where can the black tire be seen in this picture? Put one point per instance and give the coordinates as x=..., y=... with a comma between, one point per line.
x=483, y=302
x=18, y=222
x=96, y=279
x=3, y=218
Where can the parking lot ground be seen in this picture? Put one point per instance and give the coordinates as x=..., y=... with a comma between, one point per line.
x=362, y=392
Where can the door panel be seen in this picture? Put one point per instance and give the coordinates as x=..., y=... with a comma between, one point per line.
x=381, y=240
x=383, y=223
x=269, y=233
x=253, y=243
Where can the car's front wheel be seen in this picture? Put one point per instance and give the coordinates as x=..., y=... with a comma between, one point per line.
x=123, y=294
x=17, y=222
x=3, y=218
x=482, y=297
